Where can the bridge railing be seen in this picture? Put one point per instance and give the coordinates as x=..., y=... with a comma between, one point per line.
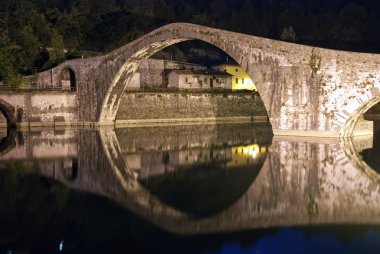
x=36, y=89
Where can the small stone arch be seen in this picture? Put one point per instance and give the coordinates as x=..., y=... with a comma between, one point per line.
x=350, y=116
x=67, y=79
x=9, y=113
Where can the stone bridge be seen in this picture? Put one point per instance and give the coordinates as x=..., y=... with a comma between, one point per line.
x=306, y=91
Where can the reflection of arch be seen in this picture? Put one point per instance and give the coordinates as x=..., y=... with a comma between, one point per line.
x=121, y=65
x=351, y=150
x=334, y=183
x=67, y=79
x=8, y=111
x=140, y=199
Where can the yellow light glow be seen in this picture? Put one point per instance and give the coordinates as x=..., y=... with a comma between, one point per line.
x=252, y=150
x=240, y=79
x=244, y=155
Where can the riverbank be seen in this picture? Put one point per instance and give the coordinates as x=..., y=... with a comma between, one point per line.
x=147, y=108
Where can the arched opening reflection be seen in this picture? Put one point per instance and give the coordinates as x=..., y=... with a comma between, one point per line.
x=198, y=170
x=205, y=187
x=371, y=155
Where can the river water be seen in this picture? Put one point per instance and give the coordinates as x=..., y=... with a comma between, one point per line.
x=228, y=188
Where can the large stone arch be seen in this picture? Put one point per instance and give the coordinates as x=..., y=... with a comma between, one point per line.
x=124, y=62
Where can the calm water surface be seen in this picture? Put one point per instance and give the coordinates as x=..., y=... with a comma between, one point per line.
x=230, y=188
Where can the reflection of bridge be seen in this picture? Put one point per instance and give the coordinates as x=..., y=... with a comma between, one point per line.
x=301, y=183
x=309, y=92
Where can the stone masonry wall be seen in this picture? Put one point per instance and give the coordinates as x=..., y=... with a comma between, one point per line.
x=140, y=106
x=43, y=107
x=82, y=69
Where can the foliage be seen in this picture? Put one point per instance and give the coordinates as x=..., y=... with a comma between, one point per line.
x=37, y=32
x=57, y=51
x=315, y=62
x=288, y=34
x=7, y=73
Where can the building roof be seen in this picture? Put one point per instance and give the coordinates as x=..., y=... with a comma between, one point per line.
x=200, y=72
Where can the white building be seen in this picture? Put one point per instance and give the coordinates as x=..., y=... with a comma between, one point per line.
x=188, y=79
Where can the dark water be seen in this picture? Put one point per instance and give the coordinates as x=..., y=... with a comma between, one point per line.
x=231, y=188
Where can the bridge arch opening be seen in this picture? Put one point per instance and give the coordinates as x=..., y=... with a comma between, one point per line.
x=131, y=64
x=358, y=122
x=68, y=79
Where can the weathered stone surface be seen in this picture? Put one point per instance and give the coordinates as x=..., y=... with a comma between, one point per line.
x=189, y=105
x=40, y=106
